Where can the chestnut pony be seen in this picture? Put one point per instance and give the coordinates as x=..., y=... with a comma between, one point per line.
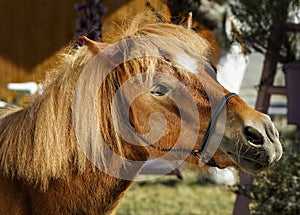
x=107, y=108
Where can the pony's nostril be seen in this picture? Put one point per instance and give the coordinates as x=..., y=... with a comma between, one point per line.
x=253, y=135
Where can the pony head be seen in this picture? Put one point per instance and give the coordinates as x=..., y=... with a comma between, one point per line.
x=163, y=93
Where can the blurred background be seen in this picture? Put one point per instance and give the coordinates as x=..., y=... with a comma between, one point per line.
x=257, y=46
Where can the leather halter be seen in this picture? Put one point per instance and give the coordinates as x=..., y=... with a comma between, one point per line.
x=201, y=153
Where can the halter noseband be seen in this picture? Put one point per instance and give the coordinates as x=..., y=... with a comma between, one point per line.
x=201, y=153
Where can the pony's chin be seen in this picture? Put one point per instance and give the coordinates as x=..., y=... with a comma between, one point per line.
x=249, y=165
x=244, y=164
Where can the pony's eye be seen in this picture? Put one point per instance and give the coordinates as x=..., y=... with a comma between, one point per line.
x=159, y=90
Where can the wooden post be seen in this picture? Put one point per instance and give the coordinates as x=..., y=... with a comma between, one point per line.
x=269, y=68
x=241, y=206
x=262, y=104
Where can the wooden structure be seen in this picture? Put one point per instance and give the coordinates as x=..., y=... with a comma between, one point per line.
x=33, y=31
x=266, y=89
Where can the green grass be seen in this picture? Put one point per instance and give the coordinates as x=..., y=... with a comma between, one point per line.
x=169, y=196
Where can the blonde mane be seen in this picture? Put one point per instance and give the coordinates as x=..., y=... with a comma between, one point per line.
x=38, y=143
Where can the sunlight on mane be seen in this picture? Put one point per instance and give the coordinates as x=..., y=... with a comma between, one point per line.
x=38, y=143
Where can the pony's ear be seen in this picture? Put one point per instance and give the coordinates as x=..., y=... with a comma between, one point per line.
x=92, y=45
x=188, y=21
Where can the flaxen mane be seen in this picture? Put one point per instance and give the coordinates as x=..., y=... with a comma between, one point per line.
x=38, y=143
x=77, y=147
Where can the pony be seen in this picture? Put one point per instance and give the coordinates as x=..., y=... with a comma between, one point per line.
x=108, y=108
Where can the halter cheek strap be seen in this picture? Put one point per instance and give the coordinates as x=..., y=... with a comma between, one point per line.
x=201, y=153
x=213, y=122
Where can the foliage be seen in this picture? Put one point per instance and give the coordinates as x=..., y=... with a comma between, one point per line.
x=258, y=17
x=90, y=19
x=205, y=12
x=208, y=17
x=253, y=22
x=278, y=190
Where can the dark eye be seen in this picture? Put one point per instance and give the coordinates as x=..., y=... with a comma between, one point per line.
x=159, y=90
